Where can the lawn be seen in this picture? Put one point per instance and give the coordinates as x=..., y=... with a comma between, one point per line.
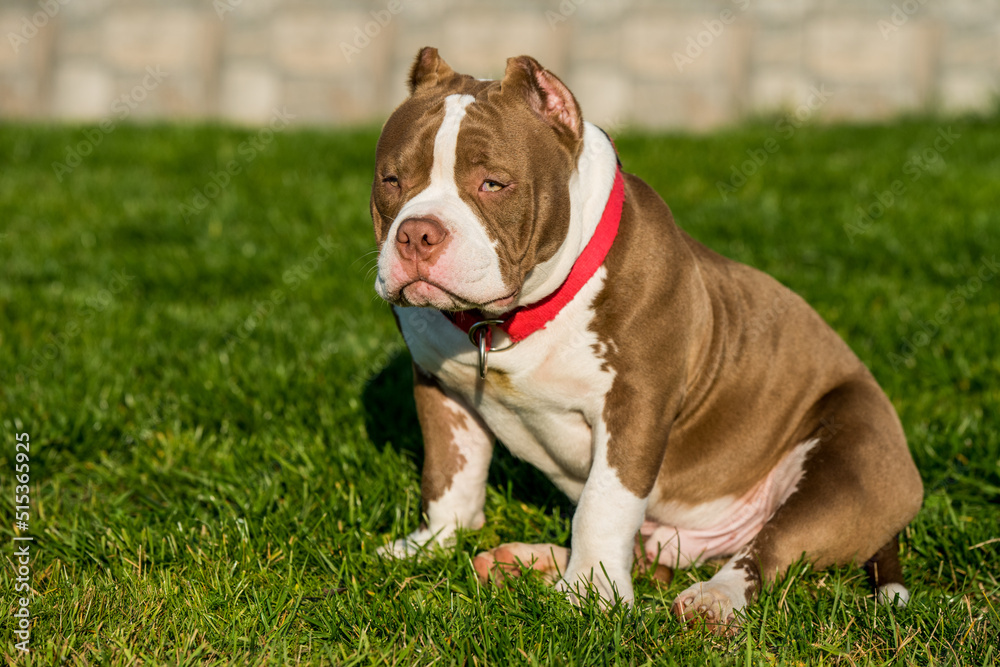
x=222, y=432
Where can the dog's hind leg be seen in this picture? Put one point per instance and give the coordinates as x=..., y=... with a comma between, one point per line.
x=885, y=575
x=859, y=488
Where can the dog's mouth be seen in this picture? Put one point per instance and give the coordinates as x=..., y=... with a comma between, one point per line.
x=427, y=293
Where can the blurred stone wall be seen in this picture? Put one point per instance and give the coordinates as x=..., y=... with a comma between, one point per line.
x=672, y=63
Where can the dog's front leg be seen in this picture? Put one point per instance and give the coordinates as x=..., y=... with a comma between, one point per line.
x=457, y=452
x=611, y=509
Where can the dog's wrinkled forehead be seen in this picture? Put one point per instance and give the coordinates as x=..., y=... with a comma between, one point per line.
x=408, y=135
x=528, y=104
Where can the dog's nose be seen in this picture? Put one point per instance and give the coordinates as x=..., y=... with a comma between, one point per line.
x=420, y=239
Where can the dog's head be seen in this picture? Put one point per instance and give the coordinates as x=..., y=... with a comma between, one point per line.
x=471, y=187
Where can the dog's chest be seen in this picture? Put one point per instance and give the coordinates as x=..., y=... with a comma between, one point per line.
x=539, y=398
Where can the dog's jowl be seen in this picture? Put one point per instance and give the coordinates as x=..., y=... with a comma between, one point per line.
x=692, y=407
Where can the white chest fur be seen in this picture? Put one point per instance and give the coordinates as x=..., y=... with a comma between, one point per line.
x=539, y=398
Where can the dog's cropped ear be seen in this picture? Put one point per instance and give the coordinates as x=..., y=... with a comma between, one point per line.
x=545, y=94
x=429, y=69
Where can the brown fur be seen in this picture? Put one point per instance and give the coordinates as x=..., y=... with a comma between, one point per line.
x=884, y=568
x=442, y=458
x=711, y=391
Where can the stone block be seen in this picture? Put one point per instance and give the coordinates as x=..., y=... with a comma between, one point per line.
x=250, y=91
x=175, y=39
x=971, y=13
x=606, y=13
x=182, y=95
x=80, y=39
x=778, y=88
x=19, y=97
x=426, y=11
x=969, y=90
x=82, y=91
x=593, y=43
x=484, y=46
x=240, y=12
x=969, y=47
x=780, y=12
x=851, y=102
x=604, y=95
x=696, y=47
x=22, y=43
x=852, y=50
x=247, y=41
x=778, y=46
x=679, y=104
x=78, y=12
x=320, y=43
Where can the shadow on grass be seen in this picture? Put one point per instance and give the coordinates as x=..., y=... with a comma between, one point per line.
x=391, y=421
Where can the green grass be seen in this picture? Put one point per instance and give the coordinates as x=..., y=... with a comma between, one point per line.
x=222, y=430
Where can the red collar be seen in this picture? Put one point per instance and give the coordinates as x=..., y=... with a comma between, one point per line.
x=526, y=320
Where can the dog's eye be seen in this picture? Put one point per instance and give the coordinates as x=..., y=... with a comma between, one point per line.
x=491, y=186
x=391, y=181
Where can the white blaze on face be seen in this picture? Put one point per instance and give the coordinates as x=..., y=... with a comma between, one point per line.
x=468, y=266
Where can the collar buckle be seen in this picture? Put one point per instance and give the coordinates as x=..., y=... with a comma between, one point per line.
x=481, y=337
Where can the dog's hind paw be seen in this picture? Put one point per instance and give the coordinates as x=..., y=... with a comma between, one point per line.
x=711, y=605
x=895, y=594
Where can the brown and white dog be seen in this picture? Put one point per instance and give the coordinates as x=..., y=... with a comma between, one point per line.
x=691, y=406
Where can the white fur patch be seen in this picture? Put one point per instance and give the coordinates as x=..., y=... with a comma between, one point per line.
x=679, y=535
x=541, y=397
x=896, y=594
x=604, y=527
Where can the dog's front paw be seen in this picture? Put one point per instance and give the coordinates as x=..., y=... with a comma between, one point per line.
x=401, y=548
x=709, y=604
x=578, y=582
x=416, y=542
